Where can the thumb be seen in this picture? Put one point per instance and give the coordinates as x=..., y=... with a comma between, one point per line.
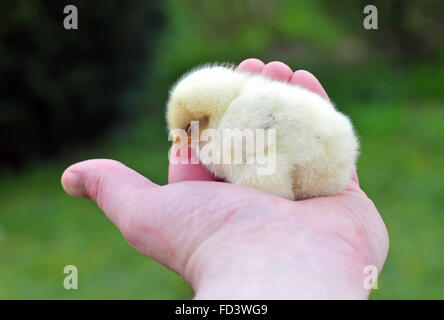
x=137, y=206
x=112, y=185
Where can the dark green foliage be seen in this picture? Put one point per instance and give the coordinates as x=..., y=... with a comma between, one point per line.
x=60, y=86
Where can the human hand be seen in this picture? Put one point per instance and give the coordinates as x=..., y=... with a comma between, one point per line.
x=230, y=241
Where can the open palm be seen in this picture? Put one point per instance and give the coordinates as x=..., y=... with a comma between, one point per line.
x=230, y=241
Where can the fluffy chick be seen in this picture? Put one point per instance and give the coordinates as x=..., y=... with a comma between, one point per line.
x=316, y=147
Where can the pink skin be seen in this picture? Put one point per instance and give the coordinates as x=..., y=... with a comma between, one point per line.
x=230, y=241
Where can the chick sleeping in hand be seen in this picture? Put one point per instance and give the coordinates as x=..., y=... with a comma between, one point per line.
x=313, y=146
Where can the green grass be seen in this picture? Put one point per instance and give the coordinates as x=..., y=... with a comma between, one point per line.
x=42, y=229
x=401, y=170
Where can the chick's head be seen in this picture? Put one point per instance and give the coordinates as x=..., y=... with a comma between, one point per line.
x=203, y=95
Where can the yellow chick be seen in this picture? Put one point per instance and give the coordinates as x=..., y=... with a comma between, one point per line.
x=310, y=147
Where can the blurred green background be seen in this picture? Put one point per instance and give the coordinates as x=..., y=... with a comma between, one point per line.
x=100, y=91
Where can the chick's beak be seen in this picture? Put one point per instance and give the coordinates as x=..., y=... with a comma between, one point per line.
x=182, y=144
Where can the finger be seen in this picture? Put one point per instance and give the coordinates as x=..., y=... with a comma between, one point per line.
x=308, y=81
x=184, y=172
x=138, y=207
x=252, y=65
x=277, y=71
x=109, y=183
